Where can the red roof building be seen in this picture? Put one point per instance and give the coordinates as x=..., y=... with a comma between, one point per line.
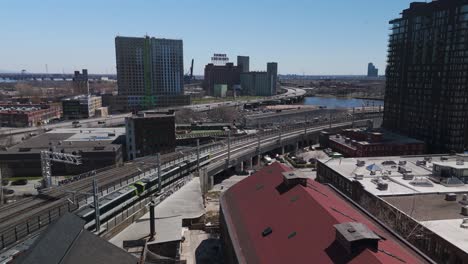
x=276, y=216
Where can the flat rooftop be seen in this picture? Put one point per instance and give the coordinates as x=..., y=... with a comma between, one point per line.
x=84, y=139
x=427, y=205
x=388, y=138
x=389, y=174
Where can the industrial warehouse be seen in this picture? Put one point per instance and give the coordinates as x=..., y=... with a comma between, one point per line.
x=421, y=197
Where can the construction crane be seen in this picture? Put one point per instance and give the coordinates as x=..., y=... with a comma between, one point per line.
x=189, y=76
x=191, y=71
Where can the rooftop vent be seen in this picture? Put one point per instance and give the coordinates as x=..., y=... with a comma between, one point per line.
x=267, y=231
x=402, y=162
x=355, y=237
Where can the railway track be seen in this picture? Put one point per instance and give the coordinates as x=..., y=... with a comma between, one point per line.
x=30, y=208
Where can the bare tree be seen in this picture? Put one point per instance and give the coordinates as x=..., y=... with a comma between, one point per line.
x=224, y=114
x=185, y=116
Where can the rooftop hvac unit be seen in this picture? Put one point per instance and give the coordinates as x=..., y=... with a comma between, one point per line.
x=460, y=162
x=421, y=163
x=383, y=186
x=408, y=177
x=464, y=210
x=464, y=223
x=451, y=197
x=359, y=177
x=464, y=199
x=402, y=162
x=360, y=163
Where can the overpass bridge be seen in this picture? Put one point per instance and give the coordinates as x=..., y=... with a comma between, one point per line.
x=50, y=76
x=27, y=218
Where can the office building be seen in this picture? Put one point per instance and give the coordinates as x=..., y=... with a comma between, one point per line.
x=426, y=95
x=283, y=216
x=149, y=70
x=23, y=115
x=243, y=62
x=359, y=142
x=81, y=106
x=150, y=133
x=80, y=82
x=260, y=83
x=372, y=71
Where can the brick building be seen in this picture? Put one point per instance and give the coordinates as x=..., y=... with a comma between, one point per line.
x=22, y=115
x=363, y=143
x=279, y=216
x=150, y=133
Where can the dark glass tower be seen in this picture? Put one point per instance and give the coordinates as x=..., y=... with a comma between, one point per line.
x=426, y=94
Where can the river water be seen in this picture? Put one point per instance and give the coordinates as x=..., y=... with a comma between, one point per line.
x=333, y=102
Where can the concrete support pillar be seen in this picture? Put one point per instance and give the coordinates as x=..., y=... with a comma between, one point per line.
x=282, y=150
x=240, y=167
x=296, y=146
x=249, y=164
x=259, y=160
x=206, y=182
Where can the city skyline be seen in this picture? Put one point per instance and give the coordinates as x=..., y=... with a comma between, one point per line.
x=305, y=38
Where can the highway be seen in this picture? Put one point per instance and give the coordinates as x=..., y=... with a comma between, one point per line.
x=291, y=92
x=19, y=220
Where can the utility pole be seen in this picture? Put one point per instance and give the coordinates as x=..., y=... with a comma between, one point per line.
x=96, y=204
x=229, y=148
x=305, y=124
x=330, y=119
x=1, y=187
x=152, y=205
x=353, y=117
x=198, y=157
x=258, y=144
x=158, y=159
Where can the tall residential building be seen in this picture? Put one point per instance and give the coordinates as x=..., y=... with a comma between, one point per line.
x=426, y=95
x=149, y=69
x=150, y=133
x=372, y=71
x=244, y=63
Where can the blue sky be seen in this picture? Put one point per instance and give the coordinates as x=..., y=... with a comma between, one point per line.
x=303, y=36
